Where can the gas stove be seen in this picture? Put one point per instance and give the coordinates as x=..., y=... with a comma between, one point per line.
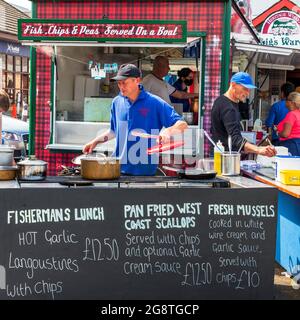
x=133, y=181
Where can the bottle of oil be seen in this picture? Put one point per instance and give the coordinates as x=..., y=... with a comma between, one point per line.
x=218, y=157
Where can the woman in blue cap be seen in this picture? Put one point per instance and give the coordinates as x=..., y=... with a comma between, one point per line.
x=225, y=116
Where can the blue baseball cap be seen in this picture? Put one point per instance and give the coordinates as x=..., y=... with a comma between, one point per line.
x=244, y=79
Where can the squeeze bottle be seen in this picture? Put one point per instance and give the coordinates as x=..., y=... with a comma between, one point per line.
x=218, y=157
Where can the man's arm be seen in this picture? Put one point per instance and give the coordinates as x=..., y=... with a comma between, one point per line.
x=177, y=128
x=183, y=95
x=268, y=151
x=105, y=136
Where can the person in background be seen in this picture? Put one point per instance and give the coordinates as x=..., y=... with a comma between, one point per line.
x=297, y=89
x=4, y=101
x=136, y=109
x=278, y=111
x=225, y=116
x=185, y=79
x=289, y=127
x=4, y=106
x=155, y=84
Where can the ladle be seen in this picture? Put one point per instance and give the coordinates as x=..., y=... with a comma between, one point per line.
x=211, y=141
x=229, y=144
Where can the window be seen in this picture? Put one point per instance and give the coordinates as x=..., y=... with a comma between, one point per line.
x=15, y=76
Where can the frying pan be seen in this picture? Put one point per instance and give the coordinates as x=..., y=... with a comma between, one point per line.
x=192, y=173
x=165, y=146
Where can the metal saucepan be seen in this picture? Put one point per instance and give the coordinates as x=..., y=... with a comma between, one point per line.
x=32, y=169
x=6, y=156
x=100, y=167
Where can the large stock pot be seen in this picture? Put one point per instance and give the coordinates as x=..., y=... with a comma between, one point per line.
x=99, y=167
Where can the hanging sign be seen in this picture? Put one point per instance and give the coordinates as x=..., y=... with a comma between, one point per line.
x=102, y=30
x=281, y=29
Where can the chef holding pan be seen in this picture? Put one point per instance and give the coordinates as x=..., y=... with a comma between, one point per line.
x=135, y=109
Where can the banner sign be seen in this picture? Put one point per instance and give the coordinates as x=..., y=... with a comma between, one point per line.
x=13, y=49
x=281, y=29
x=102, y=30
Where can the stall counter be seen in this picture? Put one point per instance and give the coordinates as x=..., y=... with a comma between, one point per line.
x=288, y=224
x=185, y=241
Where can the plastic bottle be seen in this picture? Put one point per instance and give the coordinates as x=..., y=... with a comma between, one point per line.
x=218, y=157
x=25, y=112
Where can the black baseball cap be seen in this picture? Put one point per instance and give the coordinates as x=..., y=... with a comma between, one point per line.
x=127, y=71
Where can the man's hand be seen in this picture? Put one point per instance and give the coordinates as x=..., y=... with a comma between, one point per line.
x=90, y=146
x=268, y=151
x=164, y=137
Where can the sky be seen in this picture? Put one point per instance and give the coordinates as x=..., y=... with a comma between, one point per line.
x=258, y=6
x=23, y=3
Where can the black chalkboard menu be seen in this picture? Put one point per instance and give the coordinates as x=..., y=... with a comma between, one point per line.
x=137, y=243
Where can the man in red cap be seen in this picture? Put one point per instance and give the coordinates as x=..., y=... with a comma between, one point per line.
x=225, y=116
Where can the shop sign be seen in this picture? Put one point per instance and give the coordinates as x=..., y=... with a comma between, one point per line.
x=281, y=29
x=101, y=30
x=13, y=49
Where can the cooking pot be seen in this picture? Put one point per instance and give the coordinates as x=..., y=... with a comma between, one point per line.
x=6, y=156
x=8, y=172
x=231, y=163
x=32, y=169
x=100, y=167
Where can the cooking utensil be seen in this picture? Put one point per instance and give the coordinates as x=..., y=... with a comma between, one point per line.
x=231, y=163
x=165, y=147
x=8, y=172
x=211, y=141
x=77, y=160
x=229, y=144
x=6, y=156
x=75, y=181
x=242, y=144
x=100, y=168
x=192, y=173
x=32, y=169
x=144, y=135
x=269, y=142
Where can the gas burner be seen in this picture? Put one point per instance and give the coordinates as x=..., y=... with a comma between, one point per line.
x=69, y=171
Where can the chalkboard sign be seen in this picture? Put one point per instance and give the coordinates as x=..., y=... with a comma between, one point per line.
x=137, y=243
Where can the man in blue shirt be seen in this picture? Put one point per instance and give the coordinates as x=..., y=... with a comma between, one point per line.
x=278, y=111
x=135, y=109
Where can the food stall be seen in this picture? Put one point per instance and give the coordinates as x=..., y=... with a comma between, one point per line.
x=64, y=93
x=131, y=237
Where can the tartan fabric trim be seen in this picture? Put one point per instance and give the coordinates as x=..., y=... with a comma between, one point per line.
x=200, y=16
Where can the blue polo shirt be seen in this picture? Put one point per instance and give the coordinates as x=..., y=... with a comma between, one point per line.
x=148, y=114
x=277, y=113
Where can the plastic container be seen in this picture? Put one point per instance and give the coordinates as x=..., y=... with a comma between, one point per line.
x=291, y=177
x=218, y=157
x=285, y=163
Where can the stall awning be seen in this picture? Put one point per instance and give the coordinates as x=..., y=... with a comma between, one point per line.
x=270, y=57
x=190, y=41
